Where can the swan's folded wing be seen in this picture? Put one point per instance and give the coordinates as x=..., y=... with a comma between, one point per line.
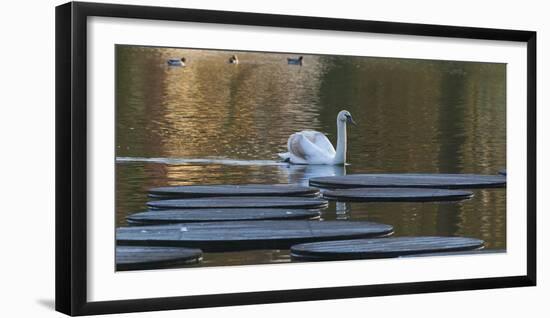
x=295, y=147
x=320, y=140
x=301, y=147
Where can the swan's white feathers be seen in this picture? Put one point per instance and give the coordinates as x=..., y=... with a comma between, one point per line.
x=285, y=156
x=320, y=140
x=313, y=147
x=309, y=147
x=295, y=146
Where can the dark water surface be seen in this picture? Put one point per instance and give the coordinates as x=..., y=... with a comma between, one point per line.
x=216, y=123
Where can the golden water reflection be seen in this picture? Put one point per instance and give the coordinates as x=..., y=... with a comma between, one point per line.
x=413, y=116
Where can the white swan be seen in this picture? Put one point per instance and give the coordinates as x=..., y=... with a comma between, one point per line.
x=314, y=148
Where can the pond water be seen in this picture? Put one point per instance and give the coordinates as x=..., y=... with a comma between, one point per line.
x=216, y=123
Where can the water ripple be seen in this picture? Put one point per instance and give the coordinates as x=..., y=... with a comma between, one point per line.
x=183, y=161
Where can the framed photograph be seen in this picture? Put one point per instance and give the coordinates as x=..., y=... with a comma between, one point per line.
x=209, y=158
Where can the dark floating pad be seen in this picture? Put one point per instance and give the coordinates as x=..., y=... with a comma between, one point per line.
x=212, y=215
x=502, y=172
x=149, y=257
x=410, y=180
x=396, y=194
x=239, y=202
x=246, y=235
x=458, y=253
x=381, y=247
x=181, y=192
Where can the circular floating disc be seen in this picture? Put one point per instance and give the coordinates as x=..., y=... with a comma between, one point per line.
x=410, y=180
x=233, y=190
x=396, y=194
x=381, y=247
x=246, y=235
x=483, y=251
x=149, y=257
x=239, y=202
x=212, y=215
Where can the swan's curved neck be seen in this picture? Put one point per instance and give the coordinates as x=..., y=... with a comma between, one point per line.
x=341, y=144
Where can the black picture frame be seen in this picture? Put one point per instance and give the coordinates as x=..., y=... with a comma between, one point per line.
x=71, y=157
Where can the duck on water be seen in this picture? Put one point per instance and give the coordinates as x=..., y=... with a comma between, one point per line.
x=176, y=62
x=297, y=61
x=233, y=59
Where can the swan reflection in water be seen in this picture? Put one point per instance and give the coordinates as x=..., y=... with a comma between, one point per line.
x=343, y=210
x=300, y=174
